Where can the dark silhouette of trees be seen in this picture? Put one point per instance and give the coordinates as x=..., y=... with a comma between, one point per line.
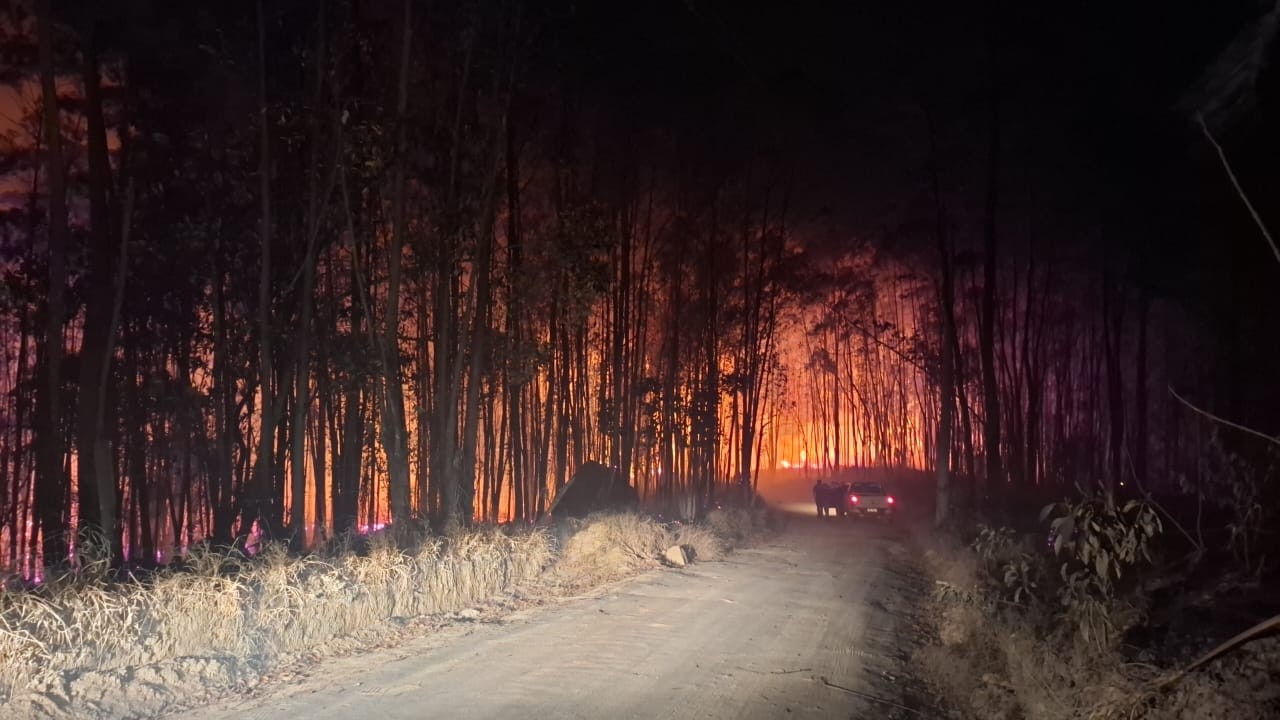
x=283, y=268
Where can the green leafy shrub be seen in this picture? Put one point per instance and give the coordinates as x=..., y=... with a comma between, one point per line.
x=1101, y=542
x=1007, y=568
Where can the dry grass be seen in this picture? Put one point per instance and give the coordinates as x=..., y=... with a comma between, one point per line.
x=991, y=659
x=610, y=546
x=83, y=646
x=228, y=607
x=996, y=659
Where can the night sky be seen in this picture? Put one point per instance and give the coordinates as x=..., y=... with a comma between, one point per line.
x=1087, y=90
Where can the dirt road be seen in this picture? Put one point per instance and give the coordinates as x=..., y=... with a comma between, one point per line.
x=808, y=624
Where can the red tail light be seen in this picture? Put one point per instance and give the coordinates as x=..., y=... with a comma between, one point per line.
x=890, y=499
x=853, y=499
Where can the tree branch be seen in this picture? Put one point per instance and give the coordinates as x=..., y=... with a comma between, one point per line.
x=1224, y=421
x=1262, y=628
x=1222, y=156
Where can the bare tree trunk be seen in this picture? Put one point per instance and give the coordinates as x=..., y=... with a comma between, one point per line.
x=946, y=303
x=478, y=358
x=483, y=300
x=448, y=371
x=52, y=482
x=221, y=489
x=394, y=431
x=557, y=403
x=444, y=397
x=514, y=376
x=422, y=366
x=347, y=466
x=1112, y=327
x=302, y=361
x=320, y=446
x=260, y=498
x=17, y=512
x=142, y=544
x=987, y=328
x=97, y=483
x=1140, y=391
x=104, y=464
x=966, y=413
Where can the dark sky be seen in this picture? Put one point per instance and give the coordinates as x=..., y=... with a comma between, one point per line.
x=842, y=88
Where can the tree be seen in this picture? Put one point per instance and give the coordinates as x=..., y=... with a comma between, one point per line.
x=260, y=499
x=97, y=481
x=395, y=437
x=52, y=482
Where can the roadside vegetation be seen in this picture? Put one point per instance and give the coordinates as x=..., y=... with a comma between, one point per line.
x=1109, y=608
x=1120, y=603
x=90, y=643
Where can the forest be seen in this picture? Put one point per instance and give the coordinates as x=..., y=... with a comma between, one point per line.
x=290, y=269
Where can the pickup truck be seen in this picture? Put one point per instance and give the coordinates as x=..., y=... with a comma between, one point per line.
x=869, y=499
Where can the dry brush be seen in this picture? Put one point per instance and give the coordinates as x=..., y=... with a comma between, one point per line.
x=84, y=644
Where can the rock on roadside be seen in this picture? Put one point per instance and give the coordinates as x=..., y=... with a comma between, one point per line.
x=676, y=556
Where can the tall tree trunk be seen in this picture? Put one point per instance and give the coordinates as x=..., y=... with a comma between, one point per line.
x=616, y=370
x=947, y=381
x=302, y=361
x=320, y=448
x=17, y=516
x=987, y=328
x=1112, y=328
x=142, y=542
x=444, y=398
x=394, y=431
x=517, y=365
x=283, y=372
x=260, y=498
x=465, y=508
x=966, y=412
x=97, y=494
x=52, y=483
x=479, y=350
x=104, y=462
x=221, y=491
x=1140, y=391
x=446, y=454
x=349, y=451
x=557, y=404
x=422, y=489
x=346, y=515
